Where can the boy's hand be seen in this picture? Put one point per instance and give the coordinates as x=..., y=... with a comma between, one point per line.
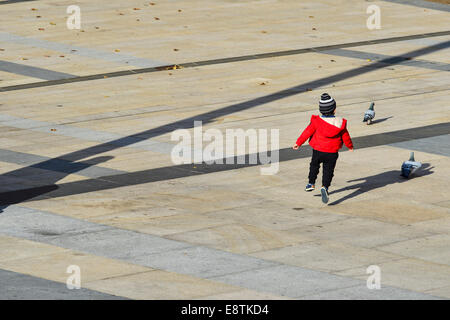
x=350, y=150
x=295, y=147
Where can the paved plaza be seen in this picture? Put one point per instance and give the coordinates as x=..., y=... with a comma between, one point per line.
x=89, y=181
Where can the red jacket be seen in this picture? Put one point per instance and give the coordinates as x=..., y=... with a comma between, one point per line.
x=325, y=137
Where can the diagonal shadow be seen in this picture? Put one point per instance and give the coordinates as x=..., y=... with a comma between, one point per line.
x=37, y=177
x=14, y=1
x=208, y=117
x=380, y=180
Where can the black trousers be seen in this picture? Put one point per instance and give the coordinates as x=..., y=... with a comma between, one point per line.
x=329, y=162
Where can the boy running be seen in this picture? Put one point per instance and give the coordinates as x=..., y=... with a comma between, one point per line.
x=326, y=135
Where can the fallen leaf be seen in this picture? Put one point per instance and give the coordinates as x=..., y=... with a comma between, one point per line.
x=53, y=24
x=333, y=60
x=2, y=49
x=263, y=83
x=314, y=28
x=138, y=20
x=73, y=50
x=41, y=29
x=52, y=129
x=179, y=10
x=176, y=49
x=136, y=9
x=117, y=50
x=47, y=56
x=33, y=9
x=311, y=16
x=171, y=67
x=104, y=77
x=121, y=14
x=263, y=31
x=61, y=56
x=152, y=3
x=156, y=18
x=320, y=66
x=97, y=28
x=170, y=73
x=308, y=89
x=24, y=58
x=369, y=60
x=38, y=17
x=59, y=105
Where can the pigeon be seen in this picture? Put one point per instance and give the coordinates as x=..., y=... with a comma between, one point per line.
x=410, y=166
x=369, y=114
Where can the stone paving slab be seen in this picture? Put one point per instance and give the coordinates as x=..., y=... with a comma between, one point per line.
x=311, y=284
x=433, y=249
x=328, y=256
x=22, y=287
x=239, y=238
x=160, y=285
x=409, y=274
x=439, y=145
x=361, y=232
x=440, y=292
x=361, y=293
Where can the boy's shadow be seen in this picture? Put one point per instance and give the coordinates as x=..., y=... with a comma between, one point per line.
x=377, y=181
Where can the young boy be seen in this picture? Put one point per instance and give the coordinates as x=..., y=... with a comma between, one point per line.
x=326, y=135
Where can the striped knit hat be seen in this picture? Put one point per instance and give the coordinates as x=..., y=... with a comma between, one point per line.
x=326, y=104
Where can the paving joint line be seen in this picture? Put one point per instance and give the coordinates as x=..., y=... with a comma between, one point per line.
x=124, y=275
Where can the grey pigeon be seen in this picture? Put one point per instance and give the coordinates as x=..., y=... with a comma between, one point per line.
x=410, y=166
x=369, y=114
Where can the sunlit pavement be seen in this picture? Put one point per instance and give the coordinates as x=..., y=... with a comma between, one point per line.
x=88, y=180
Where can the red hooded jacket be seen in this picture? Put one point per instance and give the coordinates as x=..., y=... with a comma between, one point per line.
x=324, y=136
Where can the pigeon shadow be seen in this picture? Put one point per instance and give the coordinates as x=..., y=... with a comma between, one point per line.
x=381, y=120
x=380, y=180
